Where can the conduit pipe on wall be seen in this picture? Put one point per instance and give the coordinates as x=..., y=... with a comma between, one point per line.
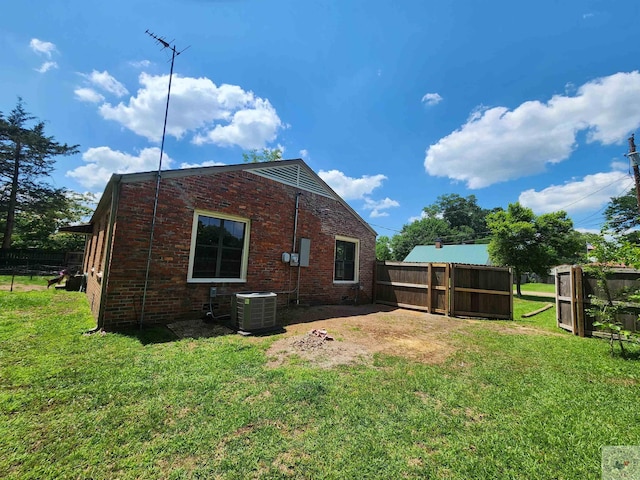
x=293, y=248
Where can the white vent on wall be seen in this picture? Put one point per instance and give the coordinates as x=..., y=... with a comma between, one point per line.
x=255, y=311
x=296, y=176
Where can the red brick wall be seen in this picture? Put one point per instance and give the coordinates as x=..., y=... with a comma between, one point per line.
x=94, y=261
x=269, y=205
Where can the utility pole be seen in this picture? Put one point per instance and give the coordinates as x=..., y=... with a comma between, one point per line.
x=633, y=155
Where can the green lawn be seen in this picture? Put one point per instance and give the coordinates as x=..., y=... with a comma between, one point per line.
x=537, y=287
x=144, y=405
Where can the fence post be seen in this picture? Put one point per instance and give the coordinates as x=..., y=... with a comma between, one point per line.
x=572, y=288
x=510, y=293
x=430, y=289
x=449, y=296
x=557, y=282
x=579, y=292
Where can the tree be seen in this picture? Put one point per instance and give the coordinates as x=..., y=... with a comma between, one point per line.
x=383, y=248
x=421, y=232
x=27, y=156
x=530, y=243
x=452, y=218
x=466, y=219
x=622, y=215
x=267, y=155
x=39, y=220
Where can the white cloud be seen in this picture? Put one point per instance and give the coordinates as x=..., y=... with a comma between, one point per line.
x=418, y=217
x=431, y=98
x=106, y=82
x=88, y=95
x=42, y=47
x=589, y=193
x=140, y=64
x=224, y=115
x=377, y=206
x=304, y=154
x=359, y=188
x=351, y=188
x=102, y=162
x=249, y=128
x=207, y=163
x=46, y=66
x=497, y=144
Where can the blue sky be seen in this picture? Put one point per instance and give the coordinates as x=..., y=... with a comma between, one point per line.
x=392, y=103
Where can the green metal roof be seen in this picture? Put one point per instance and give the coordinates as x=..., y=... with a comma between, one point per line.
x=473, y=254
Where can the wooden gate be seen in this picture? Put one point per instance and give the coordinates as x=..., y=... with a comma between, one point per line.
x=481, y=291
x=448, y=289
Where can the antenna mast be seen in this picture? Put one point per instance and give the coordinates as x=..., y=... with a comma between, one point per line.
x=174, y=53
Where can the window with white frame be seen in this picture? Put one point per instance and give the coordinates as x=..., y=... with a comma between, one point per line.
x=346, y=260
x=219, y=248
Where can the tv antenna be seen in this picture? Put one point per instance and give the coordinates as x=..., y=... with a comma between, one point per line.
x=174, y=53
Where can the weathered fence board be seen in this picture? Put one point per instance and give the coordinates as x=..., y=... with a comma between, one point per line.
x=449, y=289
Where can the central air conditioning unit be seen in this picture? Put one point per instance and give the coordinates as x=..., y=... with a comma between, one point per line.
x=255, y=311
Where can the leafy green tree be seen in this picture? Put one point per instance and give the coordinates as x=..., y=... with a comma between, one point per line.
x=383, y=248
x=466, y=219
x=27, y=157
x=453, y=218
x=530, y=243
x=421, y=232
x=266, y=155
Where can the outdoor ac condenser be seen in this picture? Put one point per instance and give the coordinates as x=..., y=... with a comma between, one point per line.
x=255, y=311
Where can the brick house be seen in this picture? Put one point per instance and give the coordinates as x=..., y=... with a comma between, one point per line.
x=238, y=228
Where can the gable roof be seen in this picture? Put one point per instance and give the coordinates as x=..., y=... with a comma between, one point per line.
x=295, y=173
x=472, y=254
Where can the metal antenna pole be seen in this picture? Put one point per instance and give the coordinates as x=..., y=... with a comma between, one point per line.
x=174, y=54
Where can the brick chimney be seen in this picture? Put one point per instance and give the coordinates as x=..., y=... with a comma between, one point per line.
x=438, y=243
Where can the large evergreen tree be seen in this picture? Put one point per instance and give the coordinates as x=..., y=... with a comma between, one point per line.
x=27, y=158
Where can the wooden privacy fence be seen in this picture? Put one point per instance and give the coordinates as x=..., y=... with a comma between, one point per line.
x=574, y=286
x=446, y=288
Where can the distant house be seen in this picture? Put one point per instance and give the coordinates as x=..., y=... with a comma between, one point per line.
x=259, y=227
x=440, y=253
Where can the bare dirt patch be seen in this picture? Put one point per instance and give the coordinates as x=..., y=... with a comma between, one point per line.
x=361, y=331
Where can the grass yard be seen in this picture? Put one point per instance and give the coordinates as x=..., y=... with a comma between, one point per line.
x=518, y=399
x=537, y=287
